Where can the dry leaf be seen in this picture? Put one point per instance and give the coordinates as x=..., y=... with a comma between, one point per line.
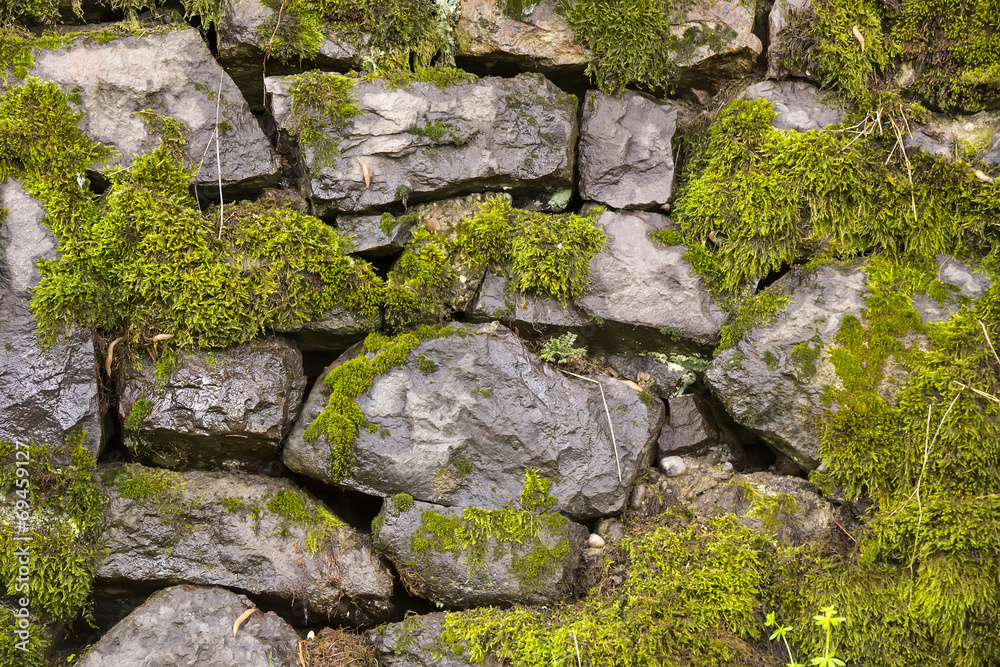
x=111, y=355
x=631, y=384
x=239, y=621
x=859, y=37
x=364, y=170
x=982, y=176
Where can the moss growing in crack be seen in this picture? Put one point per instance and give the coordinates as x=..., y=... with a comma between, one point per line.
x=316, y=520
x=43, y=11
x=758, y=310
x=16, y=56
x=442, y=77
x=535, y=494
x=771, y=198
x=402, y=502
x=139, y=411
x=60, y=510
x=321, y=105
x=142, y=259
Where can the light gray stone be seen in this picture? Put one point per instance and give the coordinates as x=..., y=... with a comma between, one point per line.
x=719, y=42
x=673, y=466
x=171, y=73
x=191, y=625
x=464, y=433
x=799, y=105
x=535, y=570
x=416, y=642
x=517, y=134
x=228, y=530
x=626, y=155
x=221, y=407
x=952, y=137
x=969, y=283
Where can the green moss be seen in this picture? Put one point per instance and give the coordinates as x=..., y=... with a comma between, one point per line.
x=434, y=131
x=442, y=77
x=63, y=514
x=535, y=495
x=805, y=356
x=16, y=650
x=139, y=411
x=321, y=105
x=772, y=198
x=759, y=310
x=161, y=487
x=43, y=11
x=649, y=400
x=316, y=520
x=426, y=365
x=463, y=466
x=402, y=502
x=770, y=360
x=16, y=55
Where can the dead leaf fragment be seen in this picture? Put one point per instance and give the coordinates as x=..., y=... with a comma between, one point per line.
x=364, y=170
x=111, y=355
x=859, y=37
x=239, y=621
x=982, y=176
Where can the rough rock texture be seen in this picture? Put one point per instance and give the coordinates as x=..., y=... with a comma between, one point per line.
x=950, y=137
x=416, y=642
x=773, y=388
x=790, y=508
x=221, y=406
x=334, y=332
x=174, y=74
x=690, y=427
x=492, y=133
x=535, y=570
x=642, y=295
x=189, y=625
x=242, y=44
x=780, y=401
x=626, y=158
x=233, y=530
x=776, y=23
x=492, y=406
x=798, y=104
x=538, y=38
x=45, y=395
x=720, y=42
x=370, y=239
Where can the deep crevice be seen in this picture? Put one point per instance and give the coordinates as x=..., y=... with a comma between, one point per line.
x=773, y=277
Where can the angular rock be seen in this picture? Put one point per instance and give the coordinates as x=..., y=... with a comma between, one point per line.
x=190, y=625
x=334, y=332
x=952, y=137
x=231, y=406
x=500, y=569
x=690, y=427
x=720, y=43
x=416, y=642
x=660, y=378
x=464, y=432
x=369, y=235
x=773, y=379
x=798, y=104
x=243, y=35
x=46, y=395
x=420, y=142
x=642, y=295
x=759, y=381
x=626, y=158
x=537, y=38
x=777, y=21
x=969, y=282
x=260, y=535
x=172, y=73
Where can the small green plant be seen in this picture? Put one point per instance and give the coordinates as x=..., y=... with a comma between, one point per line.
x=827, y=620
x=560, y=350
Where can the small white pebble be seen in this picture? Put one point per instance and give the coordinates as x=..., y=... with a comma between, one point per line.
x=595, y=541
x=727, y=467
x=673, y=466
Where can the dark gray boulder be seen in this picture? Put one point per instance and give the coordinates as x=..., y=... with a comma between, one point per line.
x=47, y=394
x=467, y=557
x=690, y=427
x=263, y=536
x=772, y=381
x=467, y=414
x=220, y=407
x=799, y=105
x=124, y=82
x=416, y=642
x=422, y=142
x=626, y=154
x=374, y=236
x=335, y=331
x=537, y=38
x=657, y=375
x=191, y=625
x=244, y=33
x=642, y=295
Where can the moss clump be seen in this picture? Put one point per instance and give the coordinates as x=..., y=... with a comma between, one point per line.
x=758, y=310
x=139, y=411
x=426, y=365
x=14, y=650
x=16, y=56
x=296, y=509
x=771, y=198
x=321, y=105
x=402, y=502
x=60, y=511
x=805, y=356
x=43, y=11
x=770, y=360
x=690, y=597
x=535, y=494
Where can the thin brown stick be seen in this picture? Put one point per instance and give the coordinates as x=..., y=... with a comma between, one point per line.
x=988, y=341
x=834, y=519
